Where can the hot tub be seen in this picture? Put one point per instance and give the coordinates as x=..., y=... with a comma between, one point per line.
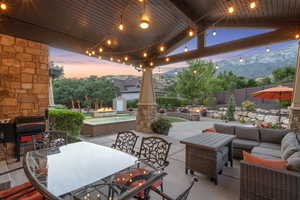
x=108, y=125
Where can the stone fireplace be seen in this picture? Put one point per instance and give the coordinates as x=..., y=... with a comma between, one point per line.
x=24, y=77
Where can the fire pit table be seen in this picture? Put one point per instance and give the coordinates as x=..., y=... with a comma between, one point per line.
x=208, y=153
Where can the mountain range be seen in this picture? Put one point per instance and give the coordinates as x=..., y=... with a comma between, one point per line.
x=258, y=64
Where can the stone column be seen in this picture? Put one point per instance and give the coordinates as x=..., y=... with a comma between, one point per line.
x=146, y=106
x=294, y=122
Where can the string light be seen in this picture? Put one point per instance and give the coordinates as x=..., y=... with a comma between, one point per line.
x=93, y=52
x=100, y=50
x=162, y=48
x=100, y=57
x=109, y=42
x=186, y=49
x=231, y=9
x=111, y=59
x=145, y=54
x=121, y=26
x=253, y=5
x=126, y=58
x=167, y=59
x=3, y=6
x=141, y=1
x=144, y=69
x=87, y=52
x=297, y=36
x=241, y=59
x=191, y=33
x=151, y=64
x=268, y=50
x=119, y=60
x=217, y=67
x=141, y=65
x=214, y=33
x=195, y=72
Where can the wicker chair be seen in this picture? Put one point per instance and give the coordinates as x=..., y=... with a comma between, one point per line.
x=50, y=139
x=125, y=142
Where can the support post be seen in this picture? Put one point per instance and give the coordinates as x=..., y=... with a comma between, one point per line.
x=146, y=106
x=294, y=118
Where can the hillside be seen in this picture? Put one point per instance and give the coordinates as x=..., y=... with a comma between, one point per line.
x=258, y=64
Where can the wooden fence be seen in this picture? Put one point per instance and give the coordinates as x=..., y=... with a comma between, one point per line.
x=244, y=94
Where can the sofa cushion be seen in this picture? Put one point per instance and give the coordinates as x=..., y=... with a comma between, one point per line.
x=267, y=152
x=223, y=128
x=247, y=133
x=266, y=156
x=294, y=162
x=244, y=144
x=281, y=164
x=272, y=135
x=289, y=145
x=270, y=146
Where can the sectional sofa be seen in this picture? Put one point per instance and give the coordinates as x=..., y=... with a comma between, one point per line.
x=261, y=182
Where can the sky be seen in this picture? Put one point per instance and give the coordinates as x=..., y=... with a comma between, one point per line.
x=80, y=65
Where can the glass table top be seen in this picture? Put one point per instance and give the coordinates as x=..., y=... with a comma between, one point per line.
x=80, y=169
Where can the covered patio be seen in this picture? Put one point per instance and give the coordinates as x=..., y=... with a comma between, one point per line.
x=142, y=34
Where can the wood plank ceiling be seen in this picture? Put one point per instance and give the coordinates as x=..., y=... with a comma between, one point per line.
x=80, y=24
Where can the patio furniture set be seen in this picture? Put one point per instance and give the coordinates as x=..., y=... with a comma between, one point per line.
x=58, y=170
x=258, y=181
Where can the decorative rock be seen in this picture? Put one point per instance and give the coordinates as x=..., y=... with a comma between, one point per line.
x=271, y=118
x=260, y=117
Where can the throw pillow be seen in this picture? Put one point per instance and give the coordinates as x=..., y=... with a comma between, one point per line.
x=281, y=164
x=294, y=162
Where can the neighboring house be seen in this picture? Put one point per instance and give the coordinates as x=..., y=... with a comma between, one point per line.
x=129, y=88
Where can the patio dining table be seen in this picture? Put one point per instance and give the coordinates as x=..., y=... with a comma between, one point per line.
x=88, y=171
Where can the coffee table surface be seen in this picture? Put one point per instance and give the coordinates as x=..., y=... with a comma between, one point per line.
x=209, y=141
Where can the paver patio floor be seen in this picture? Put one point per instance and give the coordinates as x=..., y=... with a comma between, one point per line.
x=177, y=181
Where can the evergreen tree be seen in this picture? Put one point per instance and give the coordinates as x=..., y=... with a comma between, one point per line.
x=230, y=108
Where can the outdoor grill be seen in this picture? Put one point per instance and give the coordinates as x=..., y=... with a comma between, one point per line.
x=26, y=127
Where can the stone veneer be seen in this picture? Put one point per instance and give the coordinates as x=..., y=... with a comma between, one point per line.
x=24, y=77
x=145, y=115
x=294, y=120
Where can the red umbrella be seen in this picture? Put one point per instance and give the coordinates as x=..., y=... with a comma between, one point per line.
x=279, y=92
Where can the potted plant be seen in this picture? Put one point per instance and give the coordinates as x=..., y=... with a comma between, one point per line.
x=161, y=126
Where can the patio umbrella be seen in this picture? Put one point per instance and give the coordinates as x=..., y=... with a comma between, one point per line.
x=279, y=92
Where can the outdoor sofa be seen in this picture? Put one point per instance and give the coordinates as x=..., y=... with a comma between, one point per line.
x=258, y=181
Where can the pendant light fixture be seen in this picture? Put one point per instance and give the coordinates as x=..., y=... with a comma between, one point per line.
x=121, y=25
x=3, y=6
x=144, y=22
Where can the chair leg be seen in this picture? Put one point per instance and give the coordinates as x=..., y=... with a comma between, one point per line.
x=162, y=189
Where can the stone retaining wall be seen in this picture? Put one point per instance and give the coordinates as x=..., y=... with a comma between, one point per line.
x=271, y=116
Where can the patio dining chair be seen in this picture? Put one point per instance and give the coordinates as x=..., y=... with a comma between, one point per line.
x=25, y=191
x=125, y=141
x=50, y=139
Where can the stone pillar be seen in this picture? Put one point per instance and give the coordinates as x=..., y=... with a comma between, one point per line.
x=146, y=106
x=294, y=122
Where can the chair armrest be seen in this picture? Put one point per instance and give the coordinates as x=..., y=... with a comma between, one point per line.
x=262, y=182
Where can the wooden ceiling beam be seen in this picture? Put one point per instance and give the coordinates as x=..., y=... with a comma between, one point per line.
x=279, y=35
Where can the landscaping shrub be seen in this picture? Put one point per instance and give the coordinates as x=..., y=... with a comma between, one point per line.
x=161, y=126
x=210, y=101
x=230, y=109
x=284, y=102
x=167, y=102
x=66, y=120
x=132, y=103
x=248, y=105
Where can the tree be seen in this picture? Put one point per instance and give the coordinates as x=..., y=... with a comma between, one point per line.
x=252, y=83
x=193, y=82
x=230, y=108
x=264, y=81
x=228, y=81
x=55, y=70
x=284, y=74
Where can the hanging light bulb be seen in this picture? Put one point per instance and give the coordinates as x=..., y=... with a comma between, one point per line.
x=144, y=22
x=145, y=54
x=268, y=50
x=87, y=52
x=3, y=6
x=217, y=67
x=214, y=33
x=241, y=59
x=121, y=25
x=108, y=42
x=144, y=69
x=119, y=60
x=100, y=49
x=191, y=32
x=297, y=36
x=162, y=48
x=99, y=57
x=167, y=59
x=151, y=64
x=111, y=59
x=230, y=9
x=195, y=72
x=93, y=52
x=141, y=1
x=253, y=5
x=126, y=58
x=141, y=65
x=186, y=49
